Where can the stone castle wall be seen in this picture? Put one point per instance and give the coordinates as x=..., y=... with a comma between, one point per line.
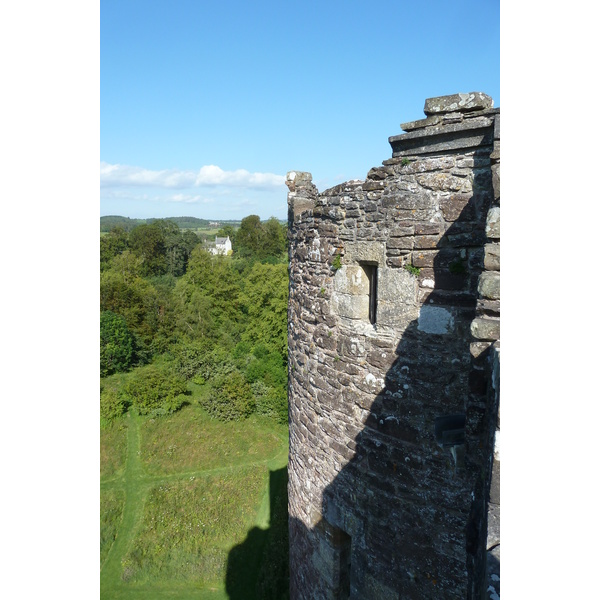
x=393, y=332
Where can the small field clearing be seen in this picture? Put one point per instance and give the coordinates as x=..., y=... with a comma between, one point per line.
x=183, y=497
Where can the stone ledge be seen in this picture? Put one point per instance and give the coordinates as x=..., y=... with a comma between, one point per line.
x=457, y=103
x=478, y=131
x=446, y=119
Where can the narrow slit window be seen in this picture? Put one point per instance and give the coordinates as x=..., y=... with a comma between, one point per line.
x=371, y=273
x=343, y=546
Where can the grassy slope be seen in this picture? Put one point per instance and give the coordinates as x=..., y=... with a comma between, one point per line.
x=194, y=490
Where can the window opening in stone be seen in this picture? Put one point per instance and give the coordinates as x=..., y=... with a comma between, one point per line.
x=342, y=543
x=370, y=270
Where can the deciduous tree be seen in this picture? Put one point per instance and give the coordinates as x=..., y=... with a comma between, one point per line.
x=117, y=347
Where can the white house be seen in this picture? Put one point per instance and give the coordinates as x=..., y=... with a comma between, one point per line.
x=220, y=246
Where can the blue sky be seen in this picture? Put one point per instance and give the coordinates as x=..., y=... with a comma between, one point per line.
x=205, y=106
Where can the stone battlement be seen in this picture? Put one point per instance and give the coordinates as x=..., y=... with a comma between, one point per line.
x=393, y=335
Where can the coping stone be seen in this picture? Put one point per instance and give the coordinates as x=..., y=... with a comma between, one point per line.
x=457, y=103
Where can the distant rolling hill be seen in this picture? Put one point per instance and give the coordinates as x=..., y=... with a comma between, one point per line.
x=109, y=222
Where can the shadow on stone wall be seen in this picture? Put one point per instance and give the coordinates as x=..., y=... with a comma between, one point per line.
x=406, y=516
x=258, y=568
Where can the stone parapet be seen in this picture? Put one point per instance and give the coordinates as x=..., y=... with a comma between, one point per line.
x=393, y=322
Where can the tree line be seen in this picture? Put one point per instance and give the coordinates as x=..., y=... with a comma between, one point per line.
x=109, y=222
x=176, y=313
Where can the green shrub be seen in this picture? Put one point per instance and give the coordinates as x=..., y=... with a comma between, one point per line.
x=156, y=391
x=190, y=358
x=219, y=363
x=117, y=346
x=230, y=398
x=112, y=405
x=200, y=363
x=270, y=401
x=268, y=366
x=413, y=270
x=241, y=350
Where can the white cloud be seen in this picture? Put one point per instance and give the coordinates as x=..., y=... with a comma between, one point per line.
x=126, y=194
x=209, y=175
x=209, y=192
x=188, y=199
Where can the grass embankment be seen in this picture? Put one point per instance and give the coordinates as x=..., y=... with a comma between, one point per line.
x=193, y=506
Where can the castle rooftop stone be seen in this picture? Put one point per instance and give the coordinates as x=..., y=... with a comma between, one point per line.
x=443, y=136
x=457, y=103
x=455, y=108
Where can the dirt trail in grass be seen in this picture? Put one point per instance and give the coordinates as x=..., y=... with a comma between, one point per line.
x=136, y=485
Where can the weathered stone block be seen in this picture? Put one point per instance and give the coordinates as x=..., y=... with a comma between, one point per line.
x=406, y=201
x=457, y=102
x=488, y=307
x=492, y=225
x=496, y=180
x=453, y=207
x=471, y=134
x=365, y=252
x=435, y=319
x=421, y=123
x=401, y=231
x=424, y=258
x=479, y=348
x=489, y=285
x=351, y=307
x=444, y=182
x=370, y=185
x=401, y=243
x=495, y=155
x=452, y=117
x=397, y=286
x=398, y=261
x=377, y=173
x=468, y=239
x=491, y=259
x=395, y=315
x=426, y=241
x=351, y=279
x=485, y=329
x=297, y=179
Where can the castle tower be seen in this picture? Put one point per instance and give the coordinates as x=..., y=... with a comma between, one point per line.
x=393, y=333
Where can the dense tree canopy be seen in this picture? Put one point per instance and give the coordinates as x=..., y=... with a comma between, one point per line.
x=117, y=345
x=112, y=245
x=265, y=299
x=261, y=240
x=218, y=321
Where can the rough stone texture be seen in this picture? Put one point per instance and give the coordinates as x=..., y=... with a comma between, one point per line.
x=492, y=257
x=470, y=133
x=392, y=423
x=489, y=285
x=457, y=102
x=492, y=226
x=485, y=329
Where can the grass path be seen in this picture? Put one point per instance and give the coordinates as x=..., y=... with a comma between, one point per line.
x=136, y=485
x=134, y=499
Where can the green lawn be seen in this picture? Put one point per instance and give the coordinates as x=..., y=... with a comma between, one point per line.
x=193, y=508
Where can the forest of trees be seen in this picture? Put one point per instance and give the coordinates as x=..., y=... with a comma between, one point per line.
x=188, y=315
